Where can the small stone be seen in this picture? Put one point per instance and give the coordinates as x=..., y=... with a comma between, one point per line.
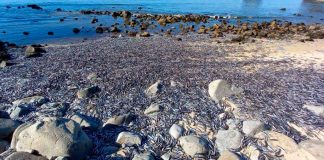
x=153, y=108
x=4, y=145
x=24, y=156
x=228, y=139
x=88, y=92
x=193, y=145
x=251, y=152
x=7, y=127
x=166, y=156
x=129, y=139
x=154, y=89
x=19, y=111
x=76, y=30
x=119, y=120
x=145, y=34
x=277, y=141
x=144, y=156
x=33, y=51
x=92, y=77
x=227, y=155
x=3, y=64
x=85, y=122
x=219, y=89
x=313, y=147
x=317, y=110
x=251, y=127
x=176, y=131
x=33, y=101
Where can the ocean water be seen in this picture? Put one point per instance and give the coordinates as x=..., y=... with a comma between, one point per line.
x=14, y=21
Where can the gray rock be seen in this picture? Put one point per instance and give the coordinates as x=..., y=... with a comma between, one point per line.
x=317, y=110
x=33, y=101
x=4, y=145
x=232, y=123
x=88, y=92
x=176, y=131
x=314, y=147
x=129, y=139
x=144, y=156
x=251, y=127
x=227, y=155
x=7, y=127
x=24, y=156
x=193, y=145
x=153, y=108
x=119, y=120
x=53, y=109
x=154, y=89
x=219, y=89
x=32, y=51
x=228, y=139
x=51, y=138
x=85, y=122
x=166, y=156
x=3, y=64
x=20, y=111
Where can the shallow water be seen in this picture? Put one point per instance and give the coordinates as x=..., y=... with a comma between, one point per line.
x=14, y=21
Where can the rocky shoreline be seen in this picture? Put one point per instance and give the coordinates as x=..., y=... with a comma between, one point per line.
x=185, y=96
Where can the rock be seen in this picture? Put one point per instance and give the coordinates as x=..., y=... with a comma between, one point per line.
x=176, y=131
x=317, y=110
x=92, y=77
x=277, y=141
x=94, y=20
x=166, y=156
x=145, y=34
x=53, y=109
x=153, y=108
x=26, y=33
x=33, y=51
x=88, y=92
x=144, y=156
x=283, y=9
x=114, y=29
x=220, y=88
x=313, y=147
x=7, y=127
x=251, y=152
x=4, y=145
x=202, y=30
x=232, y=124
x=154, y=89
x=85, y=122
x=100, y=29
x=50, y=33
x=3, y=64
x=119, y=120
x=227, y=155
x=228, y=139
x=76, y=30
x=193, y=145
x=250, y=127
x=24, y=156
x=126, y=14
x=32, y=101
x=19, y=111
x=51, y=138
x=34, y=6
x=129, y=139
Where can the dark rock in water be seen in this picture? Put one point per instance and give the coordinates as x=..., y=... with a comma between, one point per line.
x=126, y=14
x=140, y=8
x=94, y=20
x=76, y=30
x=283, y=9
x=115, y=14
x=62, y=20
x=114, y=29
x=26, y=33
x=34, y=6
x=101, y=29
x=59, y=9
x=50, y=33
x=297, y=14
x=8, y=7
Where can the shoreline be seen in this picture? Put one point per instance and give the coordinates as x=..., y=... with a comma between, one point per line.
x=278, y=76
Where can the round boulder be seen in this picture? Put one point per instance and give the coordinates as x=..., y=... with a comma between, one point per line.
x=193, y=145
x=52, y=137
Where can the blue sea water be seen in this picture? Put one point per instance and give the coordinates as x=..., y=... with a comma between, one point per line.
x=14, y=21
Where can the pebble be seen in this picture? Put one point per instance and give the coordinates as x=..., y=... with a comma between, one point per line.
x=251, y=152
x=228, y=139
x=176, y=131
x=154, y=89
x=129, y=139
x=153, y=108
x=166, y=156
x=119, y=120
x=219, y=89
x=144, y=156
x=88, y=92
x=251, y=127
x=227, y=155
x=193, y=145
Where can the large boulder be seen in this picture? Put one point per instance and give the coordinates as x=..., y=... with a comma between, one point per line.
x=313, y=147
x=219, y=89
x=51, y=138
x=7, y=126
x=193, y=145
